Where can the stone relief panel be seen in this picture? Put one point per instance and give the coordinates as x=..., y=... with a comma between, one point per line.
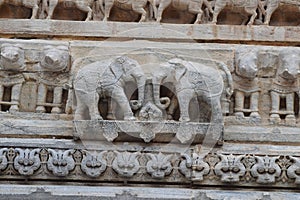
x=109, y=165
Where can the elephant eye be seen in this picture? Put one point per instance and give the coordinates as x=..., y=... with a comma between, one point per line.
x=225, y=169
x=261, y=170
x=272, y=171
x=236, y=169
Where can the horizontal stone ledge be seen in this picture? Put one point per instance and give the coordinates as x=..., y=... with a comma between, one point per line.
x=149, y=30
x=133, y=193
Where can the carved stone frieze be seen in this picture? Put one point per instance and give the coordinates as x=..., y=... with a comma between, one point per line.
x=60, y=163
x=27, y=161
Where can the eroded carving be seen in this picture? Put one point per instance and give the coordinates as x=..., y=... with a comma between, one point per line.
x=249, y=6
x=159, y=165
x=93, y=164
x=136, y=6
x=107, y=79
x=266, y=169
x=246, y=84
x=285, y=86
x=294, y=170
x=11, y=64
x=230, y=169
x=27, y=161
x=126, y=164
x=55, y=61
x=200, y=167
x=3, y=158
x=32, y=4
x=192, y=6
x=60, y=163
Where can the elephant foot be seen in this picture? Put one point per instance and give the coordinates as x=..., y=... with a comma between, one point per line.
x=14, y=108
x=290, y=120
x=184, y=119
x=97, y=117
x=275, y=119
x=110, y=116
x=129, y=118
x=56, y=110
x=40, y=109
x=239, y=114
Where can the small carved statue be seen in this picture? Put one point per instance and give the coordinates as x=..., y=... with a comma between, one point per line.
x=107, y=79
x=60, y=162
x=192, y=6
x=83, y=5
x=12, y=62
x=230, y=169
x=246, y=83
x=54, y=63
x=272, y=5
x=136, y=6
x=32, y=4
x=159, y=165
x=285, y=86
x=266, y=169
x=249, y=6
x=27, y=161
x=191, y=79
x=126, y=164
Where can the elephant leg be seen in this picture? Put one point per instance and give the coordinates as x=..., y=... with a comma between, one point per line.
x=172, y=108
x=198, y=11
x=93, y=107
x=108, y=6
x=57, y=99
x=112, y=105
x=290, y=106
x=81, y=112
x=119, y=96
x=41, y=98
x=275, y=98
x=269, y=12
x=253, y=14
x=141, y=11
x=87, y=9
x=162, y=6
x=52, y=6
x=184, y=97
x=15, y=97
x=254, y=105
x=34, y=11
x=1, y=95
x=239, y=103
x=216, y=13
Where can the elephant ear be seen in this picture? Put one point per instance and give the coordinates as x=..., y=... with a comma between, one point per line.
x=180, y=71
x=116, y=70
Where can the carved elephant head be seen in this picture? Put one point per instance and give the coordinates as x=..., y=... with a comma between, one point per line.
x=289, y=64
x=246, y=62
x=12, y=57
x=55, y=58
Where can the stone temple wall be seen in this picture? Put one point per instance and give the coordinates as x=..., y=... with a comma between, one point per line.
x=149, y=99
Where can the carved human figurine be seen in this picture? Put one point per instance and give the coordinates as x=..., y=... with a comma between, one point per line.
x=32, y=4
x=11, y=65
x=106, y=79
x=192, y=6
x=54, y=64
x=246, y=83
x=285, y=86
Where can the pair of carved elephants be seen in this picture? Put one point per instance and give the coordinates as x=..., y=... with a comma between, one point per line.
x=107, y=79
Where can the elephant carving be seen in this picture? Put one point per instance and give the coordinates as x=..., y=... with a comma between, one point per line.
x=249, y=6
x=285, y=86
x=106, y=79
x=12, y=62
x=136, y=6
x=54, y=63
x=191, y=79
x=246, y=83
x=32, y=4
x=192, y=6
x=83, y=5
x=272, y=5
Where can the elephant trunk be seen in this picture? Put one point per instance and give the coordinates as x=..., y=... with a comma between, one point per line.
x=156, y=81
